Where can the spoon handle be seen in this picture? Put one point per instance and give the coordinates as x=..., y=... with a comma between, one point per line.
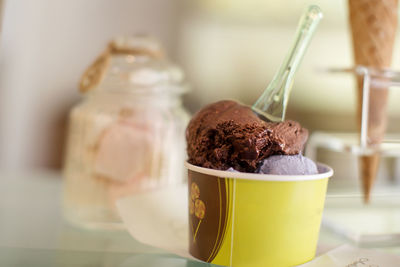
x=272, y=103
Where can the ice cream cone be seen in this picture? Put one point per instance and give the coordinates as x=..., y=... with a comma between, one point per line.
x=368, y=164
x=373, y=26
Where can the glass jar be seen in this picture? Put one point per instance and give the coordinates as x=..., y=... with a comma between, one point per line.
x=127, y=135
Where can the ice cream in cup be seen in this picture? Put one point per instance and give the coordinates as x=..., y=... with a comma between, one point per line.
x=242, y=219
x=254, y=200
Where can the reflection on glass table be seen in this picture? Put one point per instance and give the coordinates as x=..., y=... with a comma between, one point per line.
x=33, y=232
x=374, y=225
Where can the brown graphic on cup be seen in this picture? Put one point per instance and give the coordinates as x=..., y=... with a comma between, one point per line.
x=196, y=207
x=208, y=214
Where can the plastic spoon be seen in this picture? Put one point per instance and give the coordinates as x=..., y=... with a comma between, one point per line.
x=271, y=105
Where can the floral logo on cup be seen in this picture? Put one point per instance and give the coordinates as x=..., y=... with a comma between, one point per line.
x=196, y=207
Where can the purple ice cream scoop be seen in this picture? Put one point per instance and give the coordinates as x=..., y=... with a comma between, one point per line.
x=288, y=165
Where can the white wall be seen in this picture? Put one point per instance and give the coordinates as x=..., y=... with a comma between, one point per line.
x=45, y=47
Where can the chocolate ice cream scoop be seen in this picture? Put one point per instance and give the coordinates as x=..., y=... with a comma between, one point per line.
x=227, y=134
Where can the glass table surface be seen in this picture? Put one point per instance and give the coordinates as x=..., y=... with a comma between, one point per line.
x=34, y=233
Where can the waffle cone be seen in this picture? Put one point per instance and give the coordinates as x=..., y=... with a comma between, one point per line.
x=368, y=169
x=373, y=26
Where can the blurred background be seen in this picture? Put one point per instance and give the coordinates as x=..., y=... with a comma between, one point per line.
x=227, y=48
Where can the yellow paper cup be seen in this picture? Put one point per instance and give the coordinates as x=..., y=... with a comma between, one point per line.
x=245, y=219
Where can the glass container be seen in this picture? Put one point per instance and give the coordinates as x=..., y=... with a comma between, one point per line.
x=127, y=135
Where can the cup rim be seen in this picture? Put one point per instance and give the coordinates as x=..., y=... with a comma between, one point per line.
x=324, y=172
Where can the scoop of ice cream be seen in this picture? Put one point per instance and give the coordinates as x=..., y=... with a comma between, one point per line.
x=288, y=165
x=227, y=134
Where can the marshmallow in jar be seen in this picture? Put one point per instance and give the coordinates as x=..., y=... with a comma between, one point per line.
x=127, y=135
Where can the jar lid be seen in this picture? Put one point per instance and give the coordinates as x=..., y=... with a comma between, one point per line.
x=133, y=63
x=137, y=45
